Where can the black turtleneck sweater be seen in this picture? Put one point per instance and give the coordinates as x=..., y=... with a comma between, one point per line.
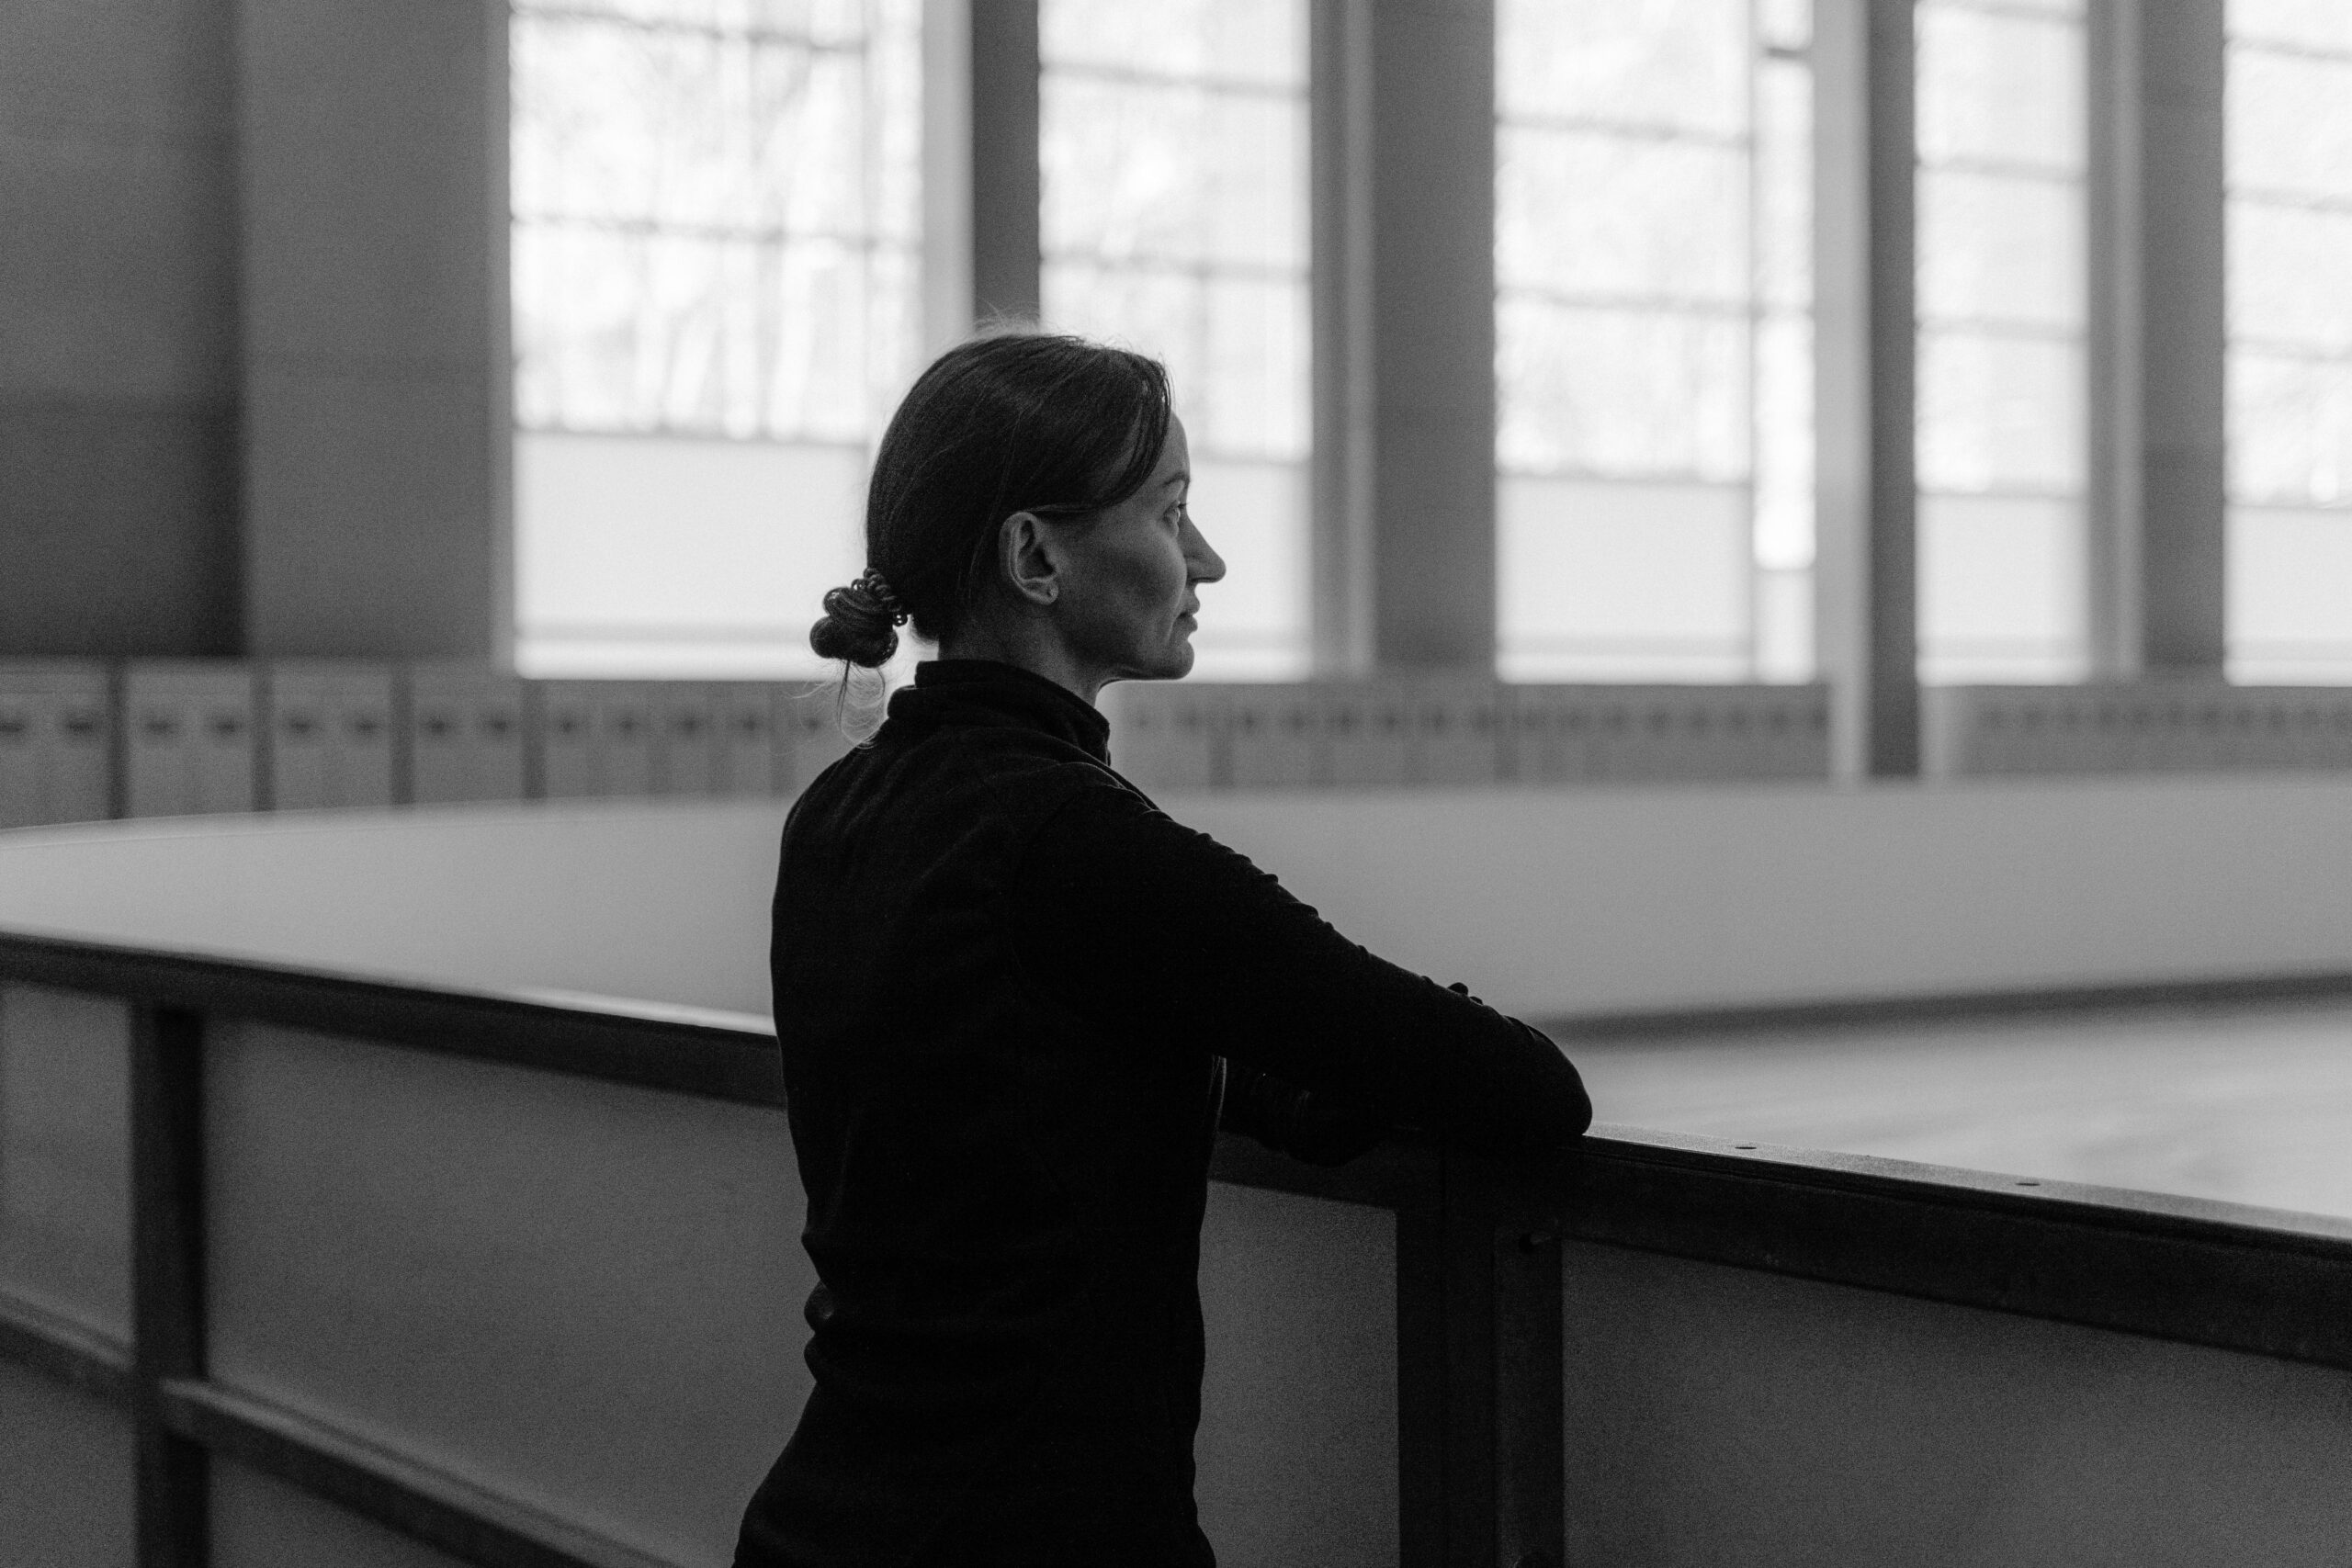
x=1013, y=997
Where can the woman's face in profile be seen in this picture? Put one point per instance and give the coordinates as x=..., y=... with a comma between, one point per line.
x=1128, y=596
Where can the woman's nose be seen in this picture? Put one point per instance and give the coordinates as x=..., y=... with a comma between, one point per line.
x=1207, y=565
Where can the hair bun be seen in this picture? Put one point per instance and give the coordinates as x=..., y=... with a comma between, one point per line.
x=859, y=623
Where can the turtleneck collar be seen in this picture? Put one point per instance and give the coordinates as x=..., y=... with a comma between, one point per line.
x=981, y=691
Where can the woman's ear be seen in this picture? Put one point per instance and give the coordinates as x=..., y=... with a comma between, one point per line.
x=1025, y=557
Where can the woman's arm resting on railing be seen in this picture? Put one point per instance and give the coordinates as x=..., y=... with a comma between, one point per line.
x=1301, y=1122
x=1165, y=936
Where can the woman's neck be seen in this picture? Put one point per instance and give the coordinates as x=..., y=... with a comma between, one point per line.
x=1027, y=647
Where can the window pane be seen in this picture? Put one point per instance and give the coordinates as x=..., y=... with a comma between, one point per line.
x=2001, y=590
x=1622, y=393
x=2290, y=429
x=2291, y=277
x=1654, y=168
x=2001, y=88
x=1784, y=443
x=1784, y=186
x=1589, y=213
x=1219, y=40
x=1254, y=392
x=2289, y=578
x=1157, y=310
x=1603, y=581
x=824, y=21
x=2289, y=141
x=1678, y=64
x=2310, y=24
x=1999, y=413
x=1174, y=174
x=1997, y=250
x=732, y=337
x=2289, y=124
x=634, y=125
x=715, y=271
x=746, y=547
x=1135, y=185
x=1784, y=24
x=1249, y=621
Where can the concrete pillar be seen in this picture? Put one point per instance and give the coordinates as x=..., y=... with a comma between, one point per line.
x=1866, y=572
x=117, y=379
x=2158, y=338
x=2113, y=230
x=379, y=424
x=1403, y=155
x=1006, y=257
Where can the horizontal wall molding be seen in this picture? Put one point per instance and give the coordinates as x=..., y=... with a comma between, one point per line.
x=1463, y=731
x=391, y=1489
x=57, y=1346
x=2136, y=727
x=89, y=740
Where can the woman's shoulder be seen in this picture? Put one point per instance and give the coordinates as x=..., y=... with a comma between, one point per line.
x=1018, y=776
x=1040, y=776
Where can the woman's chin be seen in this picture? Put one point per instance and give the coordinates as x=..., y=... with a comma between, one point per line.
x=1173, y=665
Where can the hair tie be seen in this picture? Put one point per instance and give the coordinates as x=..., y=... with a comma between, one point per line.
x=871, y=584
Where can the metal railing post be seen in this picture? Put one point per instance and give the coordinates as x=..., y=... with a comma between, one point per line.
x=1479, y=1375
x=167, y=1279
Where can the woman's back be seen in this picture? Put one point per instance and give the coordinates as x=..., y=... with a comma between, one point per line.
x=1006, y=988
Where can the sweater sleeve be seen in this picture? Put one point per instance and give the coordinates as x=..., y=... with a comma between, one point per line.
x=1165, y=937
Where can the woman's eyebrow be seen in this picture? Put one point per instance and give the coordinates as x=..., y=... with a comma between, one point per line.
x=1181, y=476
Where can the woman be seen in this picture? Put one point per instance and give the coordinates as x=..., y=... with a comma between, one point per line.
x=1015, y=1000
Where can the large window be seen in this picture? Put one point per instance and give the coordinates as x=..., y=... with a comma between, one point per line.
x=2001, y=370
x=1652, y=339
x=2290, y=171
x=1175, y=222
x=715, y=210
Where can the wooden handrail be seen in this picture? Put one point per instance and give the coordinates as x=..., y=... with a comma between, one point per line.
x=1821, y=1215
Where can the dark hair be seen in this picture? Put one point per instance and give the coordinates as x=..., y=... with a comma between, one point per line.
x=1030, y=422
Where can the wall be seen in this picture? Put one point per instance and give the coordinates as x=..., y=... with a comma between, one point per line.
x=1548, y=903
x=1726, y=1416
x=630, y=898
x=117, y=334
x=372, y=202
x=253, y=391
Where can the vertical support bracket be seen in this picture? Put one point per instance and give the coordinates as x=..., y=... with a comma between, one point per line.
x=1481, y=1451
x=167, y=1279
x=1530, y=1517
